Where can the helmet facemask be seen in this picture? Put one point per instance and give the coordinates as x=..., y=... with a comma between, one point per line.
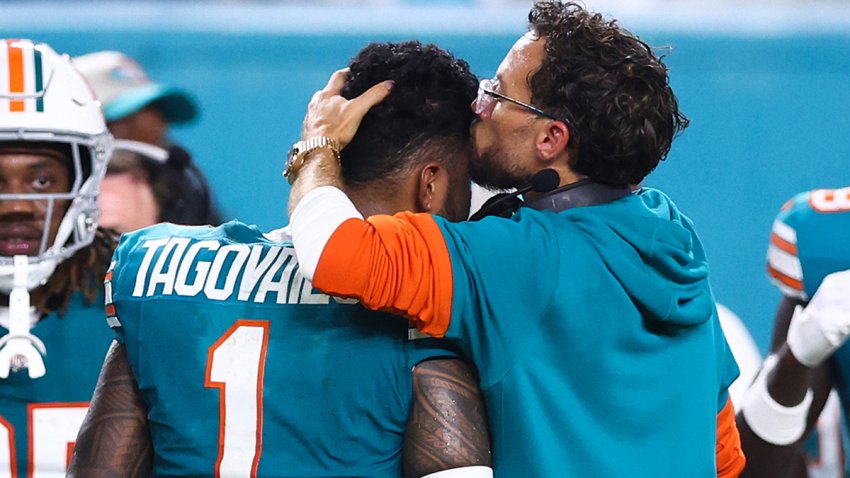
x=45, y=104
x=64, y=112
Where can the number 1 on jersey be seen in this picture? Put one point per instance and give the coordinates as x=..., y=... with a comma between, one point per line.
x=235, y=366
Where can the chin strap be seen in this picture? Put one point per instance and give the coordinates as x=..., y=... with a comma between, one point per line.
x=20, y=346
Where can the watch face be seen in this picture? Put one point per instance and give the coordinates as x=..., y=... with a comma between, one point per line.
x=290, y=160
x=293, y=153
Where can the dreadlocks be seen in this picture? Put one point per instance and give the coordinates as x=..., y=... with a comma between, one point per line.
x=83, y=272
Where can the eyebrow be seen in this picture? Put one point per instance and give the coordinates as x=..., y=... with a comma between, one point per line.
x=46, y=161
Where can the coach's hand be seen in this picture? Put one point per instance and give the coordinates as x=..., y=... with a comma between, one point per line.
x=824, y=325
x=331, y=115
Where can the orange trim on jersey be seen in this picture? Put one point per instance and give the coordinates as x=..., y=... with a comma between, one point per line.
x=13, y=453
x=16, y=74
x=110, y=310
x=795, y=284
x=30, y=434
x=222, y=405
x=261, y=372
x=108, y=276
x=728, y=452
x=782, y=244
x=395, y=263
x=69, y=454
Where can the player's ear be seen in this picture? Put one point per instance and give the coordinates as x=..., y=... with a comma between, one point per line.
x=553, y=140
x=432, y=187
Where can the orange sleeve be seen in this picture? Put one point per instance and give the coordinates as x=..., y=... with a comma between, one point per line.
x=729, y=454
x=394, y=263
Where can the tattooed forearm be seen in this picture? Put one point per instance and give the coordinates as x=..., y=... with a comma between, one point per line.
x=114, y=439
x=448, y=422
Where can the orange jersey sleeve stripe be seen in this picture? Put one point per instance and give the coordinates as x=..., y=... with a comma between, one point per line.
x=788, y=281
x=783, y=244
x=729, y=454
x=393, y=263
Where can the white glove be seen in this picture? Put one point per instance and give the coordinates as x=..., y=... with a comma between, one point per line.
x=823, y=326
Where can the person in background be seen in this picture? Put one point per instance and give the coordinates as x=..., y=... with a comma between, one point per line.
x=808, y=259
x=54, y=148
x=138, y=109
x=145, y=185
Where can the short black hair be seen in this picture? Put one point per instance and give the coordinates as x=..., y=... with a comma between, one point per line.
x=610, y=87
x=429, y=106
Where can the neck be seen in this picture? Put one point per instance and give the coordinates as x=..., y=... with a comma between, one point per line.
x=372, y=199
x=567, y=177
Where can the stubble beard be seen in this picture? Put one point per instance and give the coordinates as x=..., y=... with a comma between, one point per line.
x=495, y=170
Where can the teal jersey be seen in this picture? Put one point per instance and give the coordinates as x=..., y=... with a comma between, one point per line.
x=246, y=370
x=596, y=337
x=810, y=239
x=40, y=418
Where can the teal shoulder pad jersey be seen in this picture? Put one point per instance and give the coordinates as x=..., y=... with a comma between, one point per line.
x=246, y=370
x=40, y=418
x=596, y=336
x=809, y=240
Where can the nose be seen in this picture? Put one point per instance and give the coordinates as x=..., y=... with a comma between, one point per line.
x=18, y=203
x=480, y=109
x=17, y=207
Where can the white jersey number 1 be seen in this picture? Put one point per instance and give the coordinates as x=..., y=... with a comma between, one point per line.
x=235, y=366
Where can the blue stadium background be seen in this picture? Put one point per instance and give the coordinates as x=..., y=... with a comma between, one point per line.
x=766, y=90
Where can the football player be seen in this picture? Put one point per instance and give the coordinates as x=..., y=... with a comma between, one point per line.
x=54, y=147
x=228, y=363
x=808, y=258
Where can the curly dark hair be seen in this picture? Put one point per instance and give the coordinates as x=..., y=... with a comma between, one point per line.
x=429, y=107
x=610, y=87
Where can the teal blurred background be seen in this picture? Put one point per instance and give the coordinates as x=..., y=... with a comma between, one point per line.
x=766, y=90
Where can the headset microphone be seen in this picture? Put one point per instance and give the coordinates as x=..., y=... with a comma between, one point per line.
x=505, y=204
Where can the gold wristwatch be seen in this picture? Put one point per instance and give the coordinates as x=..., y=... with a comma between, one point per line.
x=299, y=151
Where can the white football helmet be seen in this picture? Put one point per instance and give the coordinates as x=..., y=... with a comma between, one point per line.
x=44, y=99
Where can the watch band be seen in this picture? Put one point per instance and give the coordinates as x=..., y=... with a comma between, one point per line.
x=299, y=151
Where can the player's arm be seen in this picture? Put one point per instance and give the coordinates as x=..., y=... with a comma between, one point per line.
x=782, y=406
x=786, y=381
x=447, y=434
x=114, y=440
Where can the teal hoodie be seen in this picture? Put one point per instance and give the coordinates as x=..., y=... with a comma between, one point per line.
x=596, y=336
x=655, y=254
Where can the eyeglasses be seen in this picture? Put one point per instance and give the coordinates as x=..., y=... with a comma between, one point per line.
x=486, y=101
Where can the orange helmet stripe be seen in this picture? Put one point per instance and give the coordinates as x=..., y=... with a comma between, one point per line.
x=16, y=74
